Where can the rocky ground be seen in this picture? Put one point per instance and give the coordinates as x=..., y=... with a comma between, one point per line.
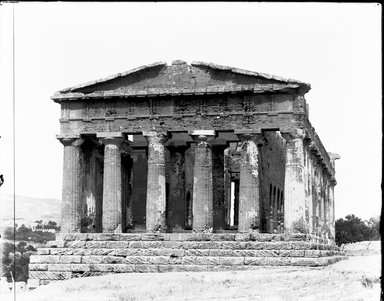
x=354, y=279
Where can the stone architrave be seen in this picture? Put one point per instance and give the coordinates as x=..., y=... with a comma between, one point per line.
x=249, y=195
x=294, y=192
x=202, y=208
x=72, y=184
x=156, y=182
x=112, y=186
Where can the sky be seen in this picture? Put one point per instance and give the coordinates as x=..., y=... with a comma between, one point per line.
x=334, y=47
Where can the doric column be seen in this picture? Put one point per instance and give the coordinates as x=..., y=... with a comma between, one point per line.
x=112, y=188
x=332, y=183
x=156, y=182
x=294, y=192
x=202, y=182
x=249, y=195
x=72, y=184
x=332, y=210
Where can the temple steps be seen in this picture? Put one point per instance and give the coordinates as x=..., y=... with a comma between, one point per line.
x=75, y=255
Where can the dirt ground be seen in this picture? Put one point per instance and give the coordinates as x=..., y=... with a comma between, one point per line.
x=354, y=279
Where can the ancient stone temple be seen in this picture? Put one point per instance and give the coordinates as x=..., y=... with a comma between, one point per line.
x=190, y=168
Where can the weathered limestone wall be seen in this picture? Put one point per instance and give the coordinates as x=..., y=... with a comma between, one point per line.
x=219, y=112
x=272, y=163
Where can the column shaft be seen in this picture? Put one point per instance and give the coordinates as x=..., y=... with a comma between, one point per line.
x=112, y=186
x=156, y=183
x=202, y=186
x=294, y=214
x=72, y=186
x=249, y=195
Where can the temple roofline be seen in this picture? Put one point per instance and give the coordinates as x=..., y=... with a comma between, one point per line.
x=282, y=85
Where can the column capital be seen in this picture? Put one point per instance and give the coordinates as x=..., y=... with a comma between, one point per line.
x=297, y=134
x=70, y=140
x=250, y=135
x=156, y=137
x=203, y=135
x=106, y=138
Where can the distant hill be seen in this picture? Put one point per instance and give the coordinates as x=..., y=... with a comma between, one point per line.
x=29, y=209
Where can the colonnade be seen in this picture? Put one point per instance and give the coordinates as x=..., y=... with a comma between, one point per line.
x=291, y=208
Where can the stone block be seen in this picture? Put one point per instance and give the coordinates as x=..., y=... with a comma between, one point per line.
x=277, y=246
x=46, y=275
x=70, y=259
x=146, y=244
x=242, y=237
x=91, y=259
x=173, y=244
x=80, y=267
x=100, y=237
x=196, y=245
x=182, y=268
x=244, y=253
x=231, y=260
x=82, y=252
x=144, y=252
x=136, y=260
x=152, y=236
x=158, y=259
x=44, y=259
x=146, y=269
x=123, y=268
x=59, y=267
x=312, y=253
x=300, y=245
x=122, y=252
x=175, y=260
x=112, y=259
x=82, y=236
x=168, y=252
x=55, y=244
x=221, y=252
x=38, y=267
x=188, y=260
x=197, y=252
x=129, y=237
x=103, y=251
x=75, y=244
x=254, y=261
x=291, y=253
x=61, y=251
x=43, y=251
x=207, y=260
x=116, y=244
x=70, y=236
x=222, y=237
x=96, y=244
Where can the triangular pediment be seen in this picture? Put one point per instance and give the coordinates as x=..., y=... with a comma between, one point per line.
x=159, y=79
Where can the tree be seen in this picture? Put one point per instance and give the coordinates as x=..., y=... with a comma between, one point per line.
x=353, y=229
x=16, y=260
